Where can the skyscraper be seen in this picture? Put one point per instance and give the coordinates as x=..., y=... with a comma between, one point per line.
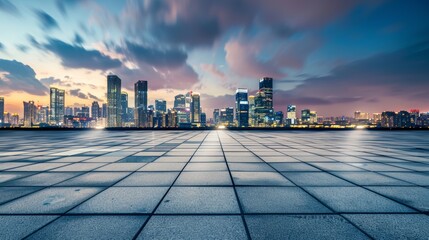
x=1, y=110
x=216, y=114
x=160, y=106
x=114, y=101
x=29, y=113
x=266, y=86
x=104, y=110
x=227, y=116
x=124, y=107
x=179, y=102
x=291, y=114
x=252, y=118
x=305, y=116
x=264, y=111
x=195, y=109
x=57, y=99
x=242, y=107
x=140, y=98
x=95, y=110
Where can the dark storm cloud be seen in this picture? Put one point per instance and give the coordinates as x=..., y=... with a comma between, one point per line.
x=94, y=97
x=22, y=48
x=47, y=22
x=74, y=56
x=200, y=23
x=19, y=77
x=78, y=93
x=64, y=5
x=54, y=81
x=157, y=57
x=8, y=7
x=401, y=75
x=78, y=39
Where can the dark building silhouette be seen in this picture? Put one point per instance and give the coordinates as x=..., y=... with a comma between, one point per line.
x=141, y=116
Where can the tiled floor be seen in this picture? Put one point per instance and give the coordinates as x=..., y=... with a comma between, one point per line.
x=214, y=185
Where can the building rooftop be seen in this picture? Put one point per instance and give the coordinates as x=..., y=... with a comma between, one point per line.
x=214, y=184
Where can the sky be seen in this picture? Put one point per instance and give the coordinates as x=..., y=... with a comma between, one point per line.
x=332, y=56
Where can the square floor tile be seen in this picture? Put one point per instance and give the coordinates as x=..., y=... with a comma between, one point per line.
x=260, y=178
x=149, y=179
x=355, y=199
x=18, y=227
x=199, y=200
x=53, y=200
x=91, y=227
x=194, y=227
x=315, y=179
x=417, y=197
x=201, y=167
x=302, y=227
x=204, y=178
x=123, y=200
x=278, y=200
x=95, y=179
x=392, y=226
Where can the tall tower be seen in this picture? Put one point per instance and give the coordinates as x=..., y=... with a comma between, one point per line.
x=95, y=110
x=195, y=108
x=57, y=99
x=140, y=110
x=29, y=113
x=1, y=110
x=242, y=107
x=114, y=101
x=124, y=107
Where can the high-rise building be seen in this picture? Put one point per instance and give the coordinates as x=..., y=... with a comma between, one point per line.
x=403, y=119
x=1, y=110
x=104, y=110
x=305, y=116
x=242, y=107
x=264, y=112
x=252, y=118
x=291, y=115
x=160, y=106
x=140, y=110
x=95, y=110
x=68, y=111
x=84, y=112
x=203, y=119
x=14, y=119
x=388, y=119
x=188, y=99
x=278, y=118
x=196, y=109
x=124, y=107
x=227, y=116
x=172, y=118
x=29, y=114
x=42, y=114
x=114, y=111
x=179, y=102
x=216, y=114
x=57, y=100
x=313, y=117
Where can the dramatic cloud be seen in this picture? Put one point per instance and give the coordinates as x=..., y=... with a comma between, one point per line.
x=91, y=96
x=2, y=48
x=157, y=57
x=16, y=76
x=242, y=58
x=22, y=48
x=47, y=22
x=213, y=69
x=78, y=93
x=54, y=81
x=200, y=23
x=74, y=56
x=78, y=40
x=397, y=77
x=8, y=7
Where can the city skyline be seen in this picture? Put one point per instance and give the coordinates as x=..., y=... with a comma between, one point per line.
x=346, y=55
